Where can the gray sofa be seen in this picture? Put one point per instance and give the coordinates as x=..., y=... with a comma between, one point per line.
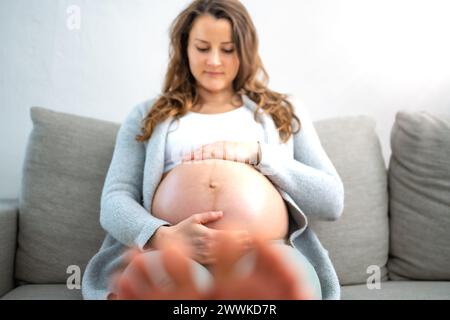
x=392, y=241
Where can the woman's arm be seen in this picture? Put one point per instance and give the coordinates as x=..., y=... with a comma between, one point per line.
x=310, y=178
x=122, y=214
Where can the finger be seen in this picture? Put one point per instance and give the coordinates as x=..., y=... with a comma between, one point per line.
x=209, y=252
x=125, y=290
x=270, y=263
x=142, y=272
x=224, y=150
x=114, y=282
x=209, y=261
x=186, y=157
x=201, y=257
x=264, y=255
x=240, y=233
x=242, y=237
x=216, y=150
x=240, y=152
x=179, y=269
x=183, y=243
x=206, y=217
x=130, y=254
x=226, y=255
x=246, y=243
x=208, y=152
x=188, y=154
x=230, y=150
x=197, y=154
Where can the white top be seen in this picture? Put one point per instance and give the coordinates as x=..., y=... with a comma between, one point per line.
x=196, y=129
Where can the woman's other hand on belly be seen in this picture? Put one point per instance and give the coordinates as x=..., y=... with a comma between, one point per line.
x=200, y=241
x=238, y=151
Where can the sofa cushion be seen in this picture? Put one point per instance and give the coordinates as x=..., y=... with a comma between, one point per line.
x=419, y=182
x=359, y=238
x=8, y=231
x=43, y=292
x=399, y=290
x=66, y=162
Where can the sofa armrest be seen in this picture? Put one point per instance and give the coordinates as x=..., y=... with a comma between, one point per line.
x=9, y=212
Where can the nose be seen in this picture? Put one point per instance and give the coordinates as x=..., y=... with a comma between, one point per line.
x=214, y=58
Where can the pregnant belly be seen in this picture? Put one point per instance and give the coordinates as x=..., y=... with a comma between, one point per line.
x=247, y=198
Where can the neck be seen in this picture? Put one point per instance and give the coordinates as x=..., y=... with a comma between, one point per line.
x=216, y=99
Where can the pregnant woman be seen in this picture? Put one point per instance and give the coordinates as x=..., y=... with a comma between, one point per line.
x=216, y=153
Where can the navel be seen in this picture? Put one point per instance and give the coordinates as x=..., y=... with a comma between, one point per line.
x=213, y=184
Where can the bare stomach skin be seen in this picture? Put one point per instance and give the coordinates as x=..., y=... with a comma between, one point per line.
x=246, y=197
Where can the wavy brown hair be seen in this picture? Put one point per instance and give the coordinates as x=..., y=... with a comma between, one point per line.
x=179, y=92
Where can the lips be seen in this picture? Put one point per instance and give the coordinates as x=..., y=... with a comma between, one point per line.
x=214, y=73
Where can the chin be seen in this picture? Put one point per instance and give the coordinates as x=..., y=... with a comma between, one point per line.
x=213, y=87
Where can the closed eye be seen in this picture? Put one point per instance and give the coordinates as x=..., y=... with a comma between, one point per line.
x=225, y=51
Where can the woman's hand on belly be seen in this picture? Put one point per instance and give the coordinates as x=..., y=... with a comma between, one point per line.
x=239, y=151
x=201, y=241
x=247, y=198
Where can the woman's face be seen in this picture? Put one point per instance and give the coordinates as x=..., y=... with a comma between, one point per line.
x=213, y=58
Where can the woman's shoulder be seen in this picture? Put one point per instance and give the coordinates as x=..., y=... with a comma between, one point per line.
x=140, y=110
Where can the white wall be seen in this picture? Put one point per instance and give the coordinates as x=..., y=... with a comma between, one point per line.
x=341, y=57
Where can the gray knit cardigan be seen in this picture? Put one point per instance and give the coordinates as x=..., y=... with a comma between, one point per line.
x=304, y=176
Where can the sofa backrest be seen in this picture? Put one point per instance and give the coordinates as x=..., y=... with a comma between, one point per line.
x=358, y=242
